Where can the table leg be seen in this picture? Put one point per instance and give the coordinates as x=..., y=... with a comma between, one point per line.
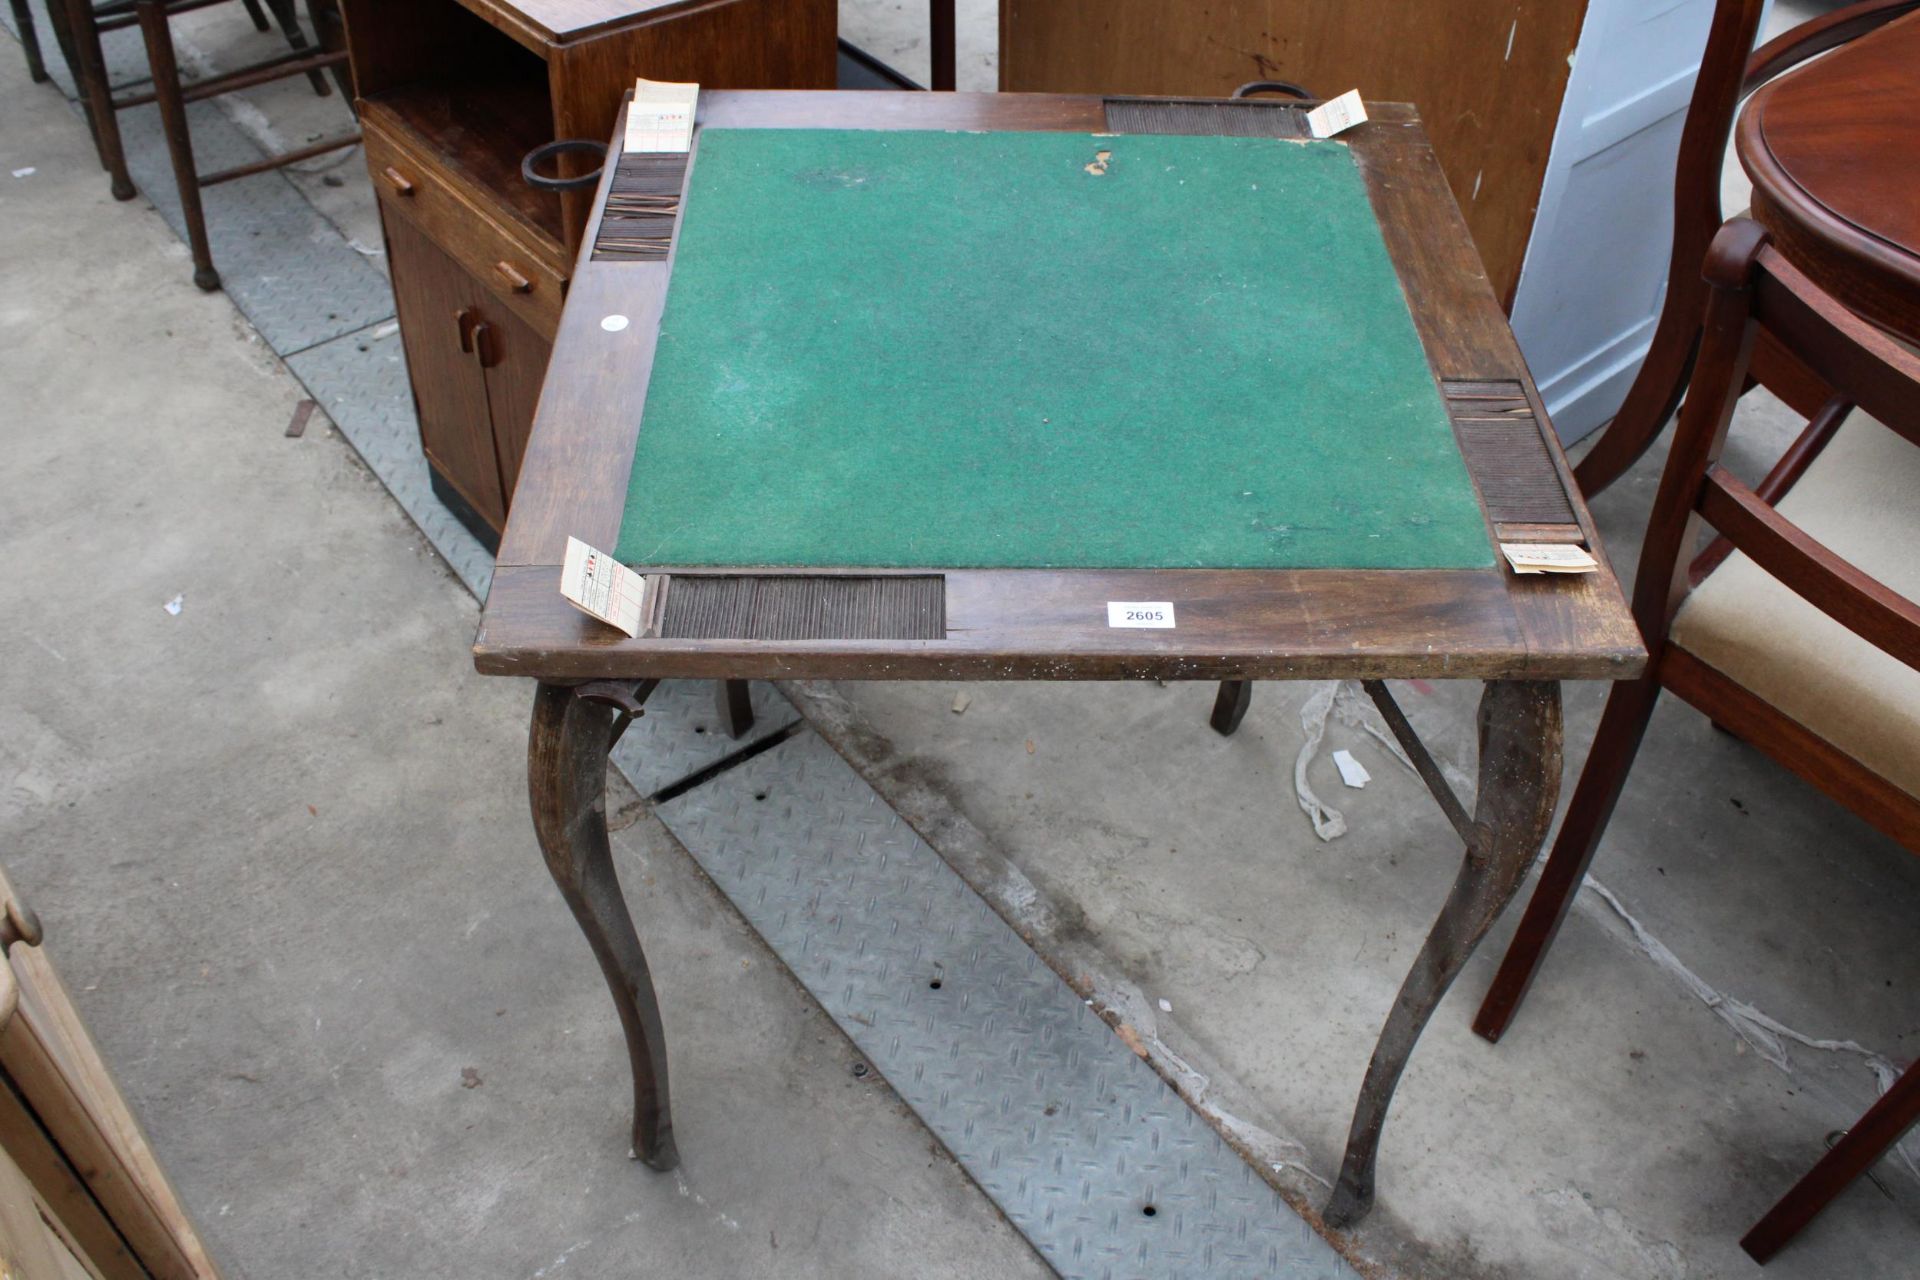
x=733, y=699
x=1230, y=706
x=1520, y=740
x=567, y=782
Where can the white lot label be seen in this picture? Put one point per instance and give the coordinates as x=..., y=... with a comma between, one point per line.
x=595, y=583
x=1548, y=557
x=1337, y=115
x=660, y=118
x=1140, y=613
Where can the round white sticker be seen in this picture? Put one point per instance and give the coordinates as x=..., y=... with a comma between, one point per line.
x=614, y=324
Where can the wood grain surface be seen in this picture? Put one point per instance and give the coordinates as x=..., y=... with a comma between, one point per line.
x=1027, y=624
x=1833, y=149
x=1488, y=76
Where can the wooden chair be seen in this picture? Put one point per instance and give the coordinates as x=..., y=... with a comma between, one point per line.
x=1727, y=75
x=1798, y=630
x=79, y=25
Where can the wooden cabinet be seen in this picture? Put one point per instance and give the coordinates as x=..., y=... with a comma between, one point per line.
x=1487, y=75
x=453, y=94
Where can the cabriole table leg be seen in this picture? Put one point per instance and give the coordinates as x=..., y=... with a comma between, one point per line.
x=567, y=782
x=1520, y=740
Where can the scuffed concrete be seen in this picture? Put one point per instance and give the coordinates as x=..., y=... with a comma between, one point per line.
x=280, y=843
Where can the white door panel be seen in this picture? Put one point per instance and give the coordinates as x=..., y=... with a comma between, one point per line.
x=1596, y=265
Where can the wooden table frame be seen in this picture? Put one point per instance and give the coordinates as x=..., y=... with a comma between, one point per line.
x=1520, y=635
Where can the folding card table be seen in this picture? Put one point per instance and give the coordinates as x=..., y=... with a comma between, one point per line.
x=953, y=387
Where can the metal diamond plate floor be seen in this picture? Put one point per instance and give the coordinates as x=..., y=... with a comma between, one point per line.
x=1084, y=1148
x=286, y=267
x=361, y=382
x=680, y=735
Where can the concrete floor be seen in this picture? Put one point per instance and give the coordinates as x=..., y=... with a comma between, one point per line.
x=286, y=868
x=285, y=865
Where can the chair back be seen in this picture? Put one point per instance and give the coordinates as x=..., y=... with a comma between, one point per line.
x=1752, y=289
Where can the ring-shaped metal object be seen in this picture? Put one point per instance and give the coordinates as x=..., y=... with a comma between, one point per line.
x=1287, y=87
x=562, y=147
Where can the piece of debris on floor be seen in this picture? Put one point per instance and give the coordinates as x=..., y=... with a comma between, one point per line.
x=175, y=605
x=470, y=1079
x=960, y=703
x=1352, y=772
x=297, y=425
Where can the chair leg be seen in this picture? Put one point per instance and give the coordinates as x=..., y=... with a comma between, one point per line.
x=258, y=14
x=173, y=119
x=30, y=42
x=1230, y=706
x=89, y=66
x=331, y=32
x=1623, y=723
x=1885, y=1123
x=289, y=20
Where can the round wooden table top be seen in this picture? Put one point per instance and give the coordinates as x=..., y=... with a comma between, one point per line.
x=1833, y=149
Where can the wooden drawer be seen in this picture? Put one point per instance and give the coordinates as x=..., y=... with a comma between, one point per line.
x=528, y=279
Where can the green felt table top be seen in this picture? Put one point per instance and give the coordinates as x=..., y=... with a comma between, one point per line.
x=1002, y=350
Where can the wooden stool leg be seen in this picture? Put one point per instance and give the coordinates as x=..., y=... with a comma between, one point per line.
x=1622, y=725
x=733, y=699
x=331, y=32
x=30, y=42
x=942, y=74
x=567, y=784
x=1230, y=706
x=173, y=119
x=1885, y=1123
x=289, y=19
x=89, y=65
x=1520, y=740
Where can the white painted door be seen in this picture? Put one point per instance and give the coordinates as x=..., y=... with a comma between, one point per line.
x=1596, y=265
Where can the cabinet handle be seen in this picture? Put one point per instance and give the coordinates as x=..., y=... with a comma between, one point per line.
x=463, y=322
x=401, y=184
x=480, y=332
x=511, y=274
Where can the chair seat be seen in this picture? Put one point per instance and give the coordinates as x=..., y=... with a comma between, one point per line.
x=1861, y=497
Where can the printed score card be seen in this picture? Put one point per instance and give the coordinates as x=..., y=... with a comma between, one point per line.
x=598, y=585
x=660, y=118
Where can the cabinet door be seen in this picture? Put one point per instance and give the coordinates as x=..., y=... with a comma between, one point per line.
x=515, y=356
x=440, y=307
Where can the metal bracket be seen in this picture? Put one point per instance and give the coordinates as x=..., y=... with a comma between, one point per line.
x=628, y=698
x=1424, y=764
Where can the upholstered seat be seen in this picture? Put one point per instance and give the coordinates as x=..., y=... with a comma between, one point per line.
x=1861, y=499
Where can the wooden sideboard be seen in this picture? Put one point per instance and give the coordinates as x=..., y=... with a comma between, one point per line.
x=453, y=94
x=1487, y=75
